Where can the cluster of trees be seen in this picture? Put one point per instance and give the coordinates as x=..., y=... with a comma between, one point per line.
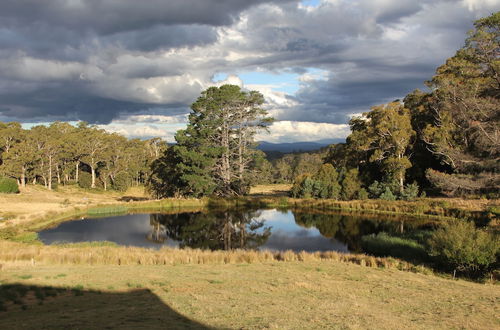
x=62, y=153
x=290, y=166
x=446, y=140
x=215, y=154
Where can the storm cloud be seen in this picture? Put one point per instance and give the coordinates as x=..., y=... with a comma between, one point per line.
x=100, y=61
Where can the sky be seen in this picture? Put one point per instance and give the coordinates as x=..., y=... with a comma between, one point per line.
x=134, y=67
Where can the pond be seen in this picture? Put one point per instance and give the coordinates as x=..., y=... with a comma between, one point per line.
x=275, y=230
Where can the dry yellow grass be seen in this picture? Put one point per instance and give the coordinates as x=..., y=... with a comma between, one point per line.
x=270, y=190
x=293, y=295
x=103, y=253
x=36, y=202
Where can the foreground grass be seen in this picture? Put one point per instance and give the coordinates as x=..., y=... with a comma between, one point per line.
x=312, y=294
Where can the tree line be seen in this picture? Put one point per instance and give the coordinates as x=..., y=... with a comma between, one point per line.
x=63, y=154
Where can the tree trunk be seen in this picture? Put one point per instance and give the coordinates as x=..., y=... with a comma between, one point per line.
x=50, y=173
x=92, y=170
x=77, y=167
x=23, y=177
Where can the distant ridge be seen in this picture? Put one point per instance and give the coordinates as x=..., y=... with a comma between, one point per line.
x=295, y=146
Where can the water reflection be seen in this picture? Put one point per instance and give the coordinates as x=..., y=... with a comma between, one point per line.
x=349, y=229
x=232, y=229
x=224, y=230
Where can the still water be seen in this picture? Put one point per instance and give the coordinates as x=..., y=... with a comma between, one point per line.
x=229, y=229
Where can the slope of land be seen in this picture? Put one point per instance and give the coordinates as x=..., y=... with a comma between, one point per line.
x=268, y=295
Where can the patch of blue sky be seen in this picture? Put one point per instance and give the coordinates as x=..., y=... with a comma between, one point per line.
x=287, y=82
x=31, y=125
x=284, y=82
x=311, y=3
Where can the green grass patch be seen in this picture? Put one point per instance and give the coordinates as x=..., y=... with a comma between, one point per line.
x=384, y=245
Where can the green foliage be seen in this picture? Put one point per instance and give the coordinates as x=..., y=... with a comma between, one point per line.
x=459, y=245
x=448, y=137
x=8, y=186
x=351, y=185
x=410, y=192
x=122, y=181
x=214, y=153
x=291, y=166
x=303, y=187
x=387, y=195
x=384, y=245
x=324, y=184
x=363, y=194
x=58, y=153
x=376, y=189
x=84, y=180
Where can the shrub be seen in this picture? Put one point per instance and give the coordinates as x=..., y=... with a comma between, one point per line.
x=363, y=194
x=387, y=195
x=376, y=189
x=459, y=245
x=326, y=182
x=122, y=181
x=302, y=187
x=350, y=184
x=85, y=180
x=8, y=186
x=410, y=192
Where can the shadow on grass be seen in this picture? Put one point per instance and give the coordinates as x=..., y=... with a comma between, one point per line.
x=36, y=307
x=132, y=199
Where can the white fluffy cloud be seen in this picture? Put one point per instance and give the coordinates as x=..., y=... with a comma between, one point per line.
x=294, y=131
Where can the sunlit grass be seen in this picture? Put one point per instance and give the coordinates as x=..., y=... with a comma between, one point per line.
x=292, y=295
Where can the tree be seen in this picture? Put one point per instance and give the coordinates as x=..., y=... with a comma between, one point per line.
x=350, y=184
x=214, y=152
x=326, y=182
x=93, y=149
x=464, y=130
x=385, y=134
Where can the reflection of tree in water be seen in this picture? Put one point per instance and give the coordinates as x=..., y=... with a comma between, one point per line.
x=216, y=230
x=347, y=229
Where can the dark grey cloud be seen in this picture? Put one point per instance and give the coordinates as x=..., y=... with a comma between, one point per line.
x=108, y=17
x=98, y=60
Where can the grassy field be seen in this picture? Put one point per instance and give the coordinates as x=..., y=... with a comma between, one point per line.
x=37, y=202
x=293, y=295
x=87, y=286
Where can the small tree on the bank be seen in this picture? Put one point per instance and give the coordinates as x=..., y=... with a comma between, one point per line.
x=460, y=246
x=214, y=153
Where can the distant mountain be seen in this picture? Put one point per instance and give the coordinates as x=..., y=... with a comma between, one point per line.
x=295, y=146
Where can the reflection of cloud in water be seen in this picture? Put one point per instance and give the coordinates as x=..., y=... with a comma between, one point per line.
x=124, y=230
x=276, y=216
x=302, y=240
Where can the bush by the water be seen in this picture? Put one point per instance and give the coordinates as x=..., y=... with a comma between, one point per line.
x=8, y=186
x=460, y=246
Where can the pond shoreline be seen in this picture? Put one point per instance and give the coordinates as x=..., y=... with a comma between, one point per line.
x=25, y=230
